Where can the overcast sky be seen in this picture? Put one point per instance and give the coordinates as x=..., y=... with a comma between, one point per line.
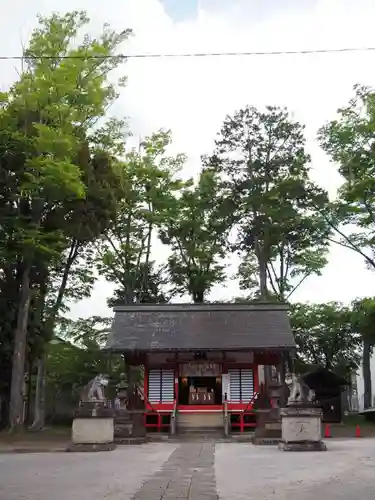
x=192, y=96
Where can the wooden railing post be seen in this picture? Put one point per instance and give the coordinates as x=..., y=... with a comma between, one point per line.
x=226, y=421
x=173, y=419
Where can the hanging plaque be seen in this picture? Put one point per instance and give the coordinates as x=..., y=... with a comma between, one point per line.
x=205, y=369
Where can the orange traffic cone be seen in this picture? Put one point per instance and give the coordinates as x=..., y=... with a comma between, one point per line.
x=357, y=431
x=327, y=431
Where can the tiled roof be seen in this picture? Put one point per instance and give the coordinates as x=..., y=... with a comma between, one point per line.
x=185, y=327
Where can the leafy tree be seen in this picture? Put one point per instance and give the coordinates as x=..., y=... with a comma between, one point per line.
x=46, y=119
x=75, y=356
x=349, y=141
x=197, y=226
x=148, y=179
x=265, y=172
x=72, y=276
x=363, y=318
x=325, y=337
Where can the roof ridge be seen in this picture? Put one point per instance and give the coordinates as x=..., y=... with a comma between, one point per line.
x=224, y=306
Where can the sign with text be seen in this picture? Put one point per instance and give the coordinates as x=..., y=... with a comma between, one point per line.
x=205, y=369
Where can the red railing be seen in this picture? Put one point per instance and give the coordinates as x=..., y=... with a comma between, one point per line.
x=242, y=424
x=155, y=412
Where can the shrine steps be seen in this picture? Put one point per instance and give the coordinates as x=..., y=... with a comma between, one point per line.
x=201, y=437
x=200, y=420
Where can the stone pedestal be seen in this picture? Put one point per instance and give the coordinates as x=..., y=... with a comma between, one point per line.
x=93, y=429
x=268, y=429
x=301, y=429
x=129, y=427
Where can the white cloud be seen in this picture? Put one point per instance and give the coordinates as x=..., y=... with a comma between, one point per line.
x=192, y=95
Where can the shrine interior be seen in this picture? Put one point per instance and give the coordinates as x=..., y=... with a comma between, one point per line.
x=200, y=390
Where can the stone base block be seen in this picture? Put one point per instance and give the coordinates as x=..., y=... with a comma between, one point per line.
x=302, y=446
x=301, y=425
x=265, y=441
x=131, y=440
x=92, y=431
x=85, y=447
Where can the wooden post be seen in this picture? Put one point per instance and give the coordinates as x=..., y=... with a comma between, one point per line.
x=242, y=422
x=281, y=369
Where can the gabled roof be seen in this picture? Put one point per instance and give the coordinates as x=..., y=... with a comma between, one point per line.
x=195, y=327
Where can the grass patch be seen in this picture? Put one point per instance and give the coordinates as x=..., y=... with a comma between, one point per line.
x=354, y=419
x=56, y=433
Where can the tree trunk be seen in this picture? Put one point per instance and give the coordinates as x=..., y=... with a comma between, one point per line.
x=39, y=405
x=367, y=397
x=262, y=274
x=198, y=297
x=4, y=409
x=16, y=413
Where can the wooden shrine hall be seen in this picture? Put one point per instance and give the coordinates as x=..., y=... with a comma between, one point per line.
x=203, y=364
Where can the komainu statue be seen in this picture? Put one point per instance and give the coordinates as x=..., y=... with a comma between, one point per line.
x=299, y=391
x=94, y=390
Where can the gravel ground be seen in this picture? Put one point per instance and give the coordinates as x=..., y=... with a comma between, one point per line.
x=153, y=471
x=115, y=475
x=346, y=472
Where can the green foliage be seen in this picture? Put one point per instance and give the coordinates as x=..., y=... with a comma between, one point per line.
x=55, y=177
x=325, y=337
x=349, y=141
x=196, y=227
x=75, y=356
x=363, y=322
x=265, y=171
x=148, y=178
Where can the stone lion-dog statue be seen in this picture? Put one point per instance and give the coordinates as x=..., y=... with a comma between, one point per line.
x=94, y=390
x=300, y=392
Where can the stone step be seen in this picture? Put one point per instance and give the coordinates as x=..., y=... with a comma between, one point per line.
x=268, y=433
x=199, y=430
x=130, y=440
x=265, y=441
x=122, y=421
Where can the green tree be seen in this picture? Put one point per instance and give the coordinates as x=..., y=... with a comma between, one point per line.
x=149, y=177
x=196, y=227
x=363, y=319
x=71, y=277
x=75, y=356
x=46, y=118
x=325, y=337
x=349, y=141
x=265, y=171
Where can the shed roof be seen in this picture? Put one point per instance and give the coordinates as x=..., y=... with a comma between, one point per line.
x=196, y=327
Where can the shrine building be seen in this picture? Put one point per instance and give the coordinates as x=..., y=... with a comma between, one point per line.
x=203, y=363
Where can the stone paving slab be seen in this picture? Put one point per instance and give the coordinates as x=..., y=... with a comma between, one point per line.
x=187, y=475
x=116, y=475
x=346, y=471
x=193, y=471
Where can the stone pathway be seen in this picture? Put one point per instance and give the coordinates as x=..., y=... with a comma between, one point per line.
x=193, y=471
x=188, y=474
x=346, y=472
x=114, y=475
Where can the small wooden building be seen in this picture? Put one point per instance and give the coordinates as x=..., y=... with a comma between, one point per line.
x=202, y=360
x=328, y=388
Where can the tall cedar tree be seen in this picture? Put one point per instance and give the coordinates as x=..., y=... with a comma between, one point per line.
x=265, y=171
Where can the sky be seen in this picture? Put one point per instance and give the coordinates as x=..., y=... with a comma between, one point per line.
x=192, y=96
